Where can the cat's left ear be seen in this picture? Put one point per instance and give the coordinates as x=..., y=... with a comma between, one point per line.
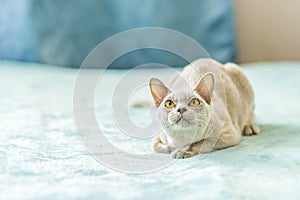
x=205, y=87
x=158, y=90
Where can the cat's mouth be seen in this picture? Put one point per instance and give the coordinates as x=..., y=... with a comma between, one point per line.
x=178, y=120
x=181, y=120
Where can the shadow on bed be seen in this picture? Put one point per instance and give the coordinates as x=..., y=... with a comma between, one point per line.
x=276, y=147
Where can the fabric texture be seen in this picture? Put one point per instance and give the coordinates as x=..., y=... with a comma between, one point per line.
x=63, y=32
x=42, y=155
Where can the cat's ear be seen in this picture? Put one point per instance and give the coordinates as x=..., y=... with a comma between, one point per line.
x=158, y=90
x=205, y=87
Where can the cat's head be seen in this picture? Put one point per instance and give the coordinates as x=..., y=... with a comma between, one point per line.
x=183, y=106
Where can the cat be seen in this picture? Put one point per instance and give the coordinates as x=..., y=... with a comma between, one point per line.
x=203, y=112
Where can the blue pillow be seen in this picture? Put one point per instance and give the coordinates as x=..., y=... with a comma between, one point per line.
x=63, y=32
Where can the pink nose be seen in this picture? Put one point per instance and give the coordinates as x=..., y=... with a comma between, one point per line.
x=181, y=110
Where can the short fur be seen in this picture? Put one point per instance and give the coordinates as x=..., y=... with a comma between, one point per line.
x=187, y=129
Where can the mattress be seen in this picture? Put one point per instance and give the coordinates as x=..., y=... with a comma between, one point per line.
x=42, y=155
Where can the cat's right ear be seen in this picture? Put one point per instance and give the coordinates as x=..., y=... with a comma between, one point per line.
x=205, y=87
x=158, y=90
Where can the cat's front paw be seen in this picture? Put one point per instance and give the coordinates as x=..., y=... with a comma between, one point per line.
x=182, y=153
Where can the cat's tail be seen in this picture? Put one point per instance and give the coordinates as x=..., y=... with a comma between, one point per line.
x=142, y=104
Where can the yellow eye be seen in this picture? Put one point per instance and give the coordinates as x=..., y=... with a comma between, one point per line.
x=194, y=102
x=169, y=104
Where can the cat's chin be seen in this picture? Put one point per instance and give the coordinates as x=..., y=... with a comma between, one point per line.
x=182, y=123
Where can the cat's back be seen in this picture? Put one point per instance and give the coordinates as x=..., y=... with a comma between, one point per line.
x=232, y=91
x=193, y=72
x=236, y=85
x=229, y=78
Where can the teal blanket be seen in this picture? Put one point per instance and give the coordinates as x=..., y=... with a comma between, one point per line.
x=42, y=157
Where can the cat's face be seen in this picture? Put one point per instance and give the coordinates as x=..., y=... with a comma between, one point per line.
x=183, y=107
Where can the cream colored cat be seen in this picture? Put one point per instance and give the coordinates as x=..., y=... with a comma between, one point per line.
x=202, y=112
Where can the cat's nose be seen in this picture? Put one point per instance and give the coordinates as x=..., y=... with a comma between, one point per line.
x=181, y=110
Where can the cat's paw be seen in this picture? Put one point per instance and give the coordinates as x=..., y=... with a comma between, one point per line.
x=162, y=148
x=182, y=153
x=251, y=130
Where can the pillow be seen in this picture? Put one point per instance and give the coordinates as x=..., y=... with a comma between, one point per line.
x=63, y=32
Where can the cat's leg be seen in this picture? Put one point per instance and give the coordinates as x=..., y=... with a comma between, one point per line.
x=229, y=136
x=251, y=128
x=238, y=76
x=159, y=147
x=227, y=139
x=187, y=151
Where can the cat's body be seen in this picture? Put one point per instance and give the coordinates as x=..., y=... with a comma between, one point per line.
x=202, y=113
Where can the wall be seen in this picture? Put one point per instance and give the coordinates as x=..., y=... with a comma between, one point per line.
x=267, y=30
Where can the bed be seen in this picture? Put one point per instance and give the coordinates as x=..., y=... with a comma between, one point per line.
x=42, y=155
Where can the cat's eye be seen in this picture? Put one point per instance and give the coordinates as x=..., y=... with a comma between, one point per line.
x=169, y=104
x=194, y=102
